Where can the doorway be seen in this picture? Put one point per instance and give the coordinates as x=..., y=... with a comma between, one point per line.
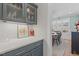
x=62, y=25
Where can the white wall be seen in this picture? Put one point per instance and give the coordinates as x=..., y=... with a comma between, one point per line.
x=43, y=22
x=61, y=9
x=8, y=31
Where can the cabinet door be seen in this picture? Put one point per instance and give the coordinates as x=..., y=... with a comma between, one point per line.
x=1, y=11
x=14, y=12
x=27, y=54
x=31, y=13
x=20, y=13
x=38, y=51
x=75, y=41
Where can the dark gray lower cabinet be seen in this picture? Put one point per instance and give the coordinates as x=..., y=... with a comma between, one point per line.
x=75, y=42
x=34, y=49
x=37, y=52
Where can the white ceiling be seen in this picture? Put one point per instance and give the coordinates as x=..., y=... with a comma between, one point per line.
x=60, y=9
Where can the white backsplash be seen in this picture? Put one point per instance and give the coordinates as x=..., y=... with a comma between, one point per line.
x=9, y=30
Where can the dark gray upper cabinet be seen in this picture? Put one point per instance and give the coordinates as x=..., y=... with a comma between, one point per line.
x=31, y=13
x=19, y=12
x=1, y=11
x=14, y=12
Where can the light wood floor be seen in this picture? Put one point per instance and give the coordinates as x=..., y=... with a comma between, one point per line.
x=64, y=49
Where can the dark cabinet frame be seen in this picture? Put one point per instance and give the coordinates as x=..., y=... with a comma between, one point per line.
x=1, y=11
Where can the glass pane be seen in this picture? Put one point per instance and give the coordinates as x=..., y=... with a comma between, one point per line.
x=14, y=10
x=31, y=13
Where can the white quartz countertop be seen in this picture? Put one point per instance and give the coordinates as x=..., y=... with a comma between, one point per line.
x=12, y=44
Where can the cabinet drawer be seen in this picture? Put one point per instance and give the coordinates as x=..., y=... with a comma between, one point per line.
x=22, y=50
